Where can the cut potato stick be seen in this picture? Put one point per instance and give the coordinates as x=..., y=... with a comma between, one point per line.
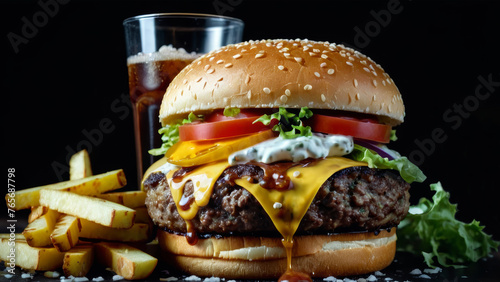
x=36, y=212
x=92, y=185
x=28, y=257
x=78, y=260
x=126, y=261
x=37, y=233
x=66, y=232
x=79, y=165
x=93, y=209
x=139, y=232
x=131, y=199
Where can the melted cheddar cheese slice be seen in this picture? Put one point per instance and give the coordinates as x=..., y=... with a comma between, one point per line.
x=286, y=208
x=203, y=179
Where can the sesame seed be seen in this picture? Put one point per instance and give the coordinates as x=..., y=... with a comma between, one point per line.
x=355, y=83
x=260, y=55
x=308, y=87
x=296, y=173
x=374, y=83
x=317, y=74
x=366, y=69
x=316, y=50
x=199, y=79
x=324, y=56
x=312, y=54
x=351, y=59
x=383, y=82
x=323, y=98
x=283, y=98
x=266, y=90
x=298, y=59
x=247, y=79
x=323, y=65
x=211, y=71
x=280, y=67
x=331, y=71
x=185, y=81
x=206, y=67
x=288, y=92
x=374, y=98
x=220, y=62
x=357, y=96
x=363, y=62
x=286, y=55
x=237, y=56
x=349, y=63
x=228, y=65
x=249, y=94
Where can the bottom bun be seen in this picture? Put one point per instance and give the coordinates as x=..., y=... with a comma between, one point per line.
x=265, y=258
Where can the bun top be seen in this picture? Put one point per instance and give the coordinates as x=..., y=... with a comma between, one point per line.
x=283, y=73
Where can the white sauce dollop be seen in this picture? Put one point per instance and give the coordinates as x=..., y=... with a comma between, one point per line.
x=297, y=149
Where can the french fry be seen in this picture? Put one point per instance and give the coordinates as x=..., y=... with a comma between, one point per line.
x=93, y=209
x=37, y=233
x=92, y=185
x=28, y=257
x=126, y=261
x=139, y=232
x=79, y=165
x=36, y=212
x=66, y=232
x=131, y=199
x=78, y=260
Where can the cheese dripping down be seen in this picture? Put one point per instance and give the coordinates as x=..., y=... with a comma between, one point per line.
x=306, y=178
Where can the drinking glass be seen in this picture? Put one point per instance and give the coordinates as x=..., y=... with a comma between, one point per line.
x=158, y=47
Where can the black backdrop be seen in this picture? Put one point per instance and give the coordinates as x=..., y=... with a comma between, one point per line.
x=66, y=78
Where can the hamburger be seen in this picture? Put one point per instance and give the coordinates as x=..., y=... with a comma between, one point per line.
x=276, y=160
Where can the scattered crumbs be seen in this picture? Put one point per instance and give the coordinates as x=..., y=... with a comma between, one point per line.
x=212, y=279
x=192, y=278
x=424, y=276
x=51, y=274
x=388, y=279
x=8, y=276
x=464, y=276
x=378, y=273
x=117, y=277
x=330, y=278
x=416, y=271
x=171, y=278
x=26, y=275
x=432, y=270
x=98, y=279
x=277, y=205
x=80, y=279
x=371, y=278
x=66, y=279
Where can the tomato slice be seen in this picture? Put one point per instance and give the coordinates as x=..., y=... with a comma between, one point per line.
x=216, y=126
x=367, y=129
x=191, y=153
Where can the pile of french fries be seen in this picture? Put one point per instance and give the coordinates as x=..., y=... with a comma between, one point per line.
x=65, y=214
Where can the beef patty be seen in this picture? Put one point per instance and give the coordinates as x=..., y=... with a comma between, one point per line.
x=353, y=199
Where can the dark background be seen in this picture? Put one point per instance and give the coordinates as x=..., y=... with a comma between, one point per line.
x=64, y=80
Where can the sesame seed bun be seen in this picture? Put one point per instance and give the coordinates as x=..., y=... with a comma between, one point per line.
x=283, y=73
x=264, y=258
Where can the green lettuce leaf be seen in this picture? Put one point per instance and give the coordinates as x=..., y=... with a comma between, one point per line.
x=431, y=229
x=408, y=171
x=170, y=134
x=290, y=124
